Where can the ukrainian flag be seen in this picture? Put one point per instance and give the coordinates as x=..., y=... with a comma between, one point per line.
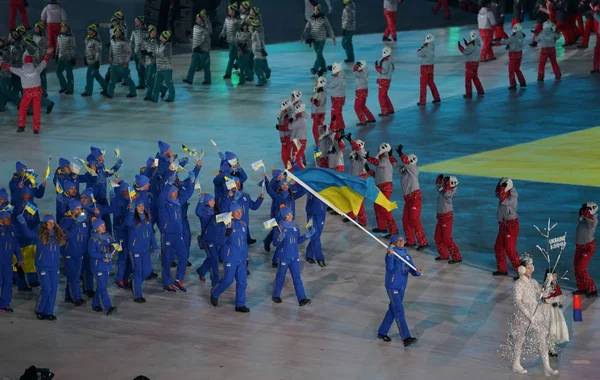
x=30, y=208
x=344, y=191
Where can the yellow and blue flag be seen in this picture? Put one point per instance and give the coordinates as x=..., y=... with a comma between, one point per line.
x=344, y=191
x=59, y=188
x=31, y=208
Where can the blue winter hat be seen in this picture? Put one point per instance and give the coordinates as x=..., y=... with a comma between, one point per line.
x=73, y=204
x=68, y=185
x=285, y=211
x=62, y=162
x=20, y=166
x=225, y=167
x=235, y=207
x=150, y=161
x=123, y=186
x=163, y=147
x=3, y=194
x=276, y=173
x=4, y=214
x=230, y=156
x=173, y=188
x=208, y=198
x=48, y=217
x=396, y=237
x=97, y=223
x=25, y=190
x=96, y=152
x=141, y=180
x=91, y=159
x=89, y=192
x=139, y=201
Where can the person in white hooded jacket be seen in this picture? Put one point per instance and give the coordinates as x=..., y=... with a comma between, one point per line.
x=31, y=82
x=486, y=22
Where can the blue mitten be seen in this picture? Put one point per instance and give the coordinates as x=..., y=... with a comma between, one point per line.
x=21, y=219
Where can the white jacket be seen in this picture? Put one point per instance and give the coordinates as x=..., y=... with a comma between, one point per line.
x=485, y=18
x=29, y=74
x=53, y=14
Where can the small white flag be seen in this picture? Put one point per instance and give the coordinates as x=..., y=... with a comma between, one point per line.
x=271, y=223
x=224, y=218
x=230, y=185
x=257, y=165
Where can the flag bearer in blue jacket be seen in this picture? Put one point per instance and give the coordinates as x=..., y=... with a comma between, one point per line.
x=141, y=244
x=144, y=193
x=77, y=229
x=187, y=232
x=234, y=255
x=101, y=249
x=396, y=278
x=210, y=238
x=9, y=247
x=288, y=238
x=315, y=211
x=243, y=199
x=26, y=208
x=170, y=223
x=48, y=239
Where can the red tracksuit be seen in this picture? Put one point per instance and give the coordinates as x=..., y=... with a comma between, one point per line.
x=583, y=255
x=426, y=79
x=411, y=219
x=390, y=18
x=508, y=231
x=337, y=105
x=443, y=237
x=487, y=53
x=442, y=4
x=53, y=29
x=318, y=120
x=15, y=5
x=590, y=26
x=286, y=142
x=514, y=68
x=548, y=53
x=472, y=77
x=360, y=106
x=385, y=219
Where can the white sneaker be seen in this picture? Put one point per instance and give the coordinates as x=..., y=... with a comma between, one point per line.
x=518, y=369
x=550, y=372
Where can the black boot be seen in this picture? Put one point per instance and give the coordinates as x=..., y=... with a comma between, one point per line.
x=498, y=273
x=277, y=299
x=173, y=264
x=214, y=301
x=593, y=294
x=112, y=310
x=242, y=309
x=441, y=259
x=188, y=265
x=97, y=309
x=90, y=293
x=385, y=338
x=422, y=247
x=322, y=263
x=267, y=247
x=408, y=341
x=140, y=300
x=152, y=275
x=80, y=302
x=305, y=302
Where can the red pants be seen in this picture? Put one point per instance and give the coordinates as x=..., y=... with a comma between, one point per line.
x=323, y=161
x=360, y=106
x=427, y=80
x=53, y=29
x=385, y=219
x=472, y=77
x=30, y=95
x=298, y=154
x=337, y=105
x=583, y=255
x=362, y=215
x=567, y=32
x=506, y=244
x=548, y=54
x=597, y=54
x=15, y=5
x=411, y=219
x=487, y=52
x=590, y=26
x=390, y=18
x=339, y=168
x=384, y=100
x=318, y=120
x=443, y=237
x=286, y=152
x=442, y=4
x=514, y=68
x=538, y=29
x=576, y=24
x=499, y=31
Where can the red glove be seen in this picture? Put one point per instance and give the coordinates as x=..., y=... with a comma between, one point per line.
x=460, y=47
x=355, y=68
x=439, y=179
x=587, y=214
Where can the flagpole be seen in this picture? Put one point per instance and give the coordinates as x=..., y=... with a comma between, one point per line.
x=320, y=197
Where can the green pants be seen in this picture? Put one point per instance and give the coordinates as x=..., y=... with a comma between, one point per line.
x=320, y=60
x=347, y=44
x=93, y=73
x=141, y=70
x=200, y=61
x=120, y=73
x=245, y=71
x=150, y=76
x=165, y=76
x=260, y=70
x=44, y=81
x=232, y=58
x=68, y=83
